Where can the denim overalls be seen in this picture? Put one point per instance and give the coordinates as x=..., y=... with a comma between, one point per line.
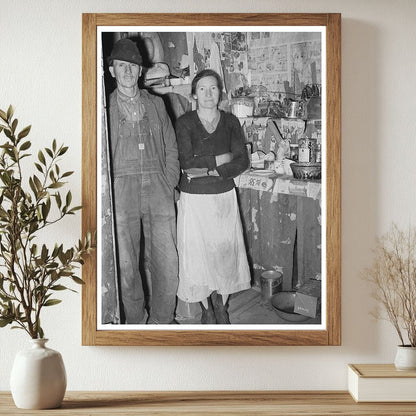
x=143, y=197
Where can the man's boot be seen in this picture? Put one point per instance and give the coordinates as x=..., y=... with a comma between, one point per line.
x=220, y=310
x=208, y=315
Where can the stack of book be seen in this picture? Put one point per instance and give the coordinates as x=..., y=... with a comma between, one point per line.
x=381, y=383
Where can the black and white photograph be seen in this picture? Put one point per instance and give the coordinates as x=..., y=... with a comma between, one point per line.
x=211, y=185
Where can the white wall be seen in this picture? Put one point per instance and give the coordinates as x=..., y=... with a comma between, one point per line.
x=40, y=74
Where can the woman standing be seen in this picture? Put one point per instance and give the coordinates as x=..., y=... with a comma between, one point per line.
x=212, y=257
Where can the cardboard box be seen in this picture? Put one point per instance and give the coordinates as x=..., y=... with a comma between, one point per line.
x=308, y=298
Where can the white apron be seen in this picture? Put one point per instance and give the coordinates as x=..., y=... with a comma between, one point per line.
x=212, y=255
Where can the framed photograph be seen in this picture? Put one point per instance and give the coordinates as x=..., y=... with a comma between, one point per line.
x=211, y=173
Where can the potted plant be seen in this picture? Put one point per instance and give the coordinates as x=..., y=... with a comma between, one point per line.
x=31, y=273
x=393, y=277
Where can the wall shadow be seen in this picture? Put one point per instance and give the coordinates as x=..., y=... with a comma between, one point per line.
x=361, y=51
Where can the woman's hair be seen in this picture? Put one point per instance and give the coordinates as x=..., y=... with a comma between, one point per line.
x=207, y=73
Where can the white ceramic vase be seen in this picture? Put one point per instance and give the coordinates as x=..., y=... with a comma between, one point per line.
x=405, y=358
x=38, y=377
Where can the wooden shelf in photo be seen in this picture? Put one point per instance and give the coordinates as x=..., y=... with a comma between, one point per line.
x=181, y=89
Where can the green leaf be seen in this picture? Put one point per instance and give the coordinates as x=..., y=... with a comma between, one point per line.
x=5, y=321
x=33, y=187
x=42, y=194
x=76, y=279
x=72, y=210
x=60, y=249
x=62, y=257
x=41, y=157
x=34, y=226
x=39, y=167
x=54, y=145
x=40, y=331
x=56, y=185
x=68, y=198
x=48, y=202
x=24, y=132
x=3, y=115
x=44, y=253
x=5, y=178
x=25, y=155
x=25, y=145
x=10, y=112
x=14, y=125
x=37, y=183
x=8, y=133
x=49, y=152
x=55, y=251
x=51, y=302
x=45, y=210
x=58, y=199
x=34, y=249
x=54, y=276
x=67, y=174
x=59, y=287
x=66, y=273
x=63, y=150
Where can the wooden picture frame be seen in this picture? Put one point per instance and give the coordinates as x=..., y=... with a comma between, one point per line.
x=330, y=334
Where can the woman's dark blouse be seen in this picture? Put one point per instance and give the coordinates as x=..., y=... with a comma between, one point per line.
x=198, y=148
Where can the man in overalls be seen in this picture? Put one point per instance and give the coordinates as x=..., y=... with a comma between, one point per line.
x=145, y=171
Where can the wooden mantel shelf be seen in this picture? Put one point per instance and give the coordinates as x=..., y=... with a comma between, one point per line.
x=178, y=403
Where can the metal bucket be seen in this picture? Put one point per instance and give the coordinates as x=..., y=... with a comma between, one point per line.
x=271, y=283
x=293, y=109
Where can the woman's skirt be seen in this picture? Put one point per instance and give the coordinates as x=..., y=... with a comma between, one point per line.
x=212, y=255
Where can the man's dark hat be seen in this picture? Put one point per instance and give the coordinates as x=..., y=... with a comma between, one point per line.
x=125, y=50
